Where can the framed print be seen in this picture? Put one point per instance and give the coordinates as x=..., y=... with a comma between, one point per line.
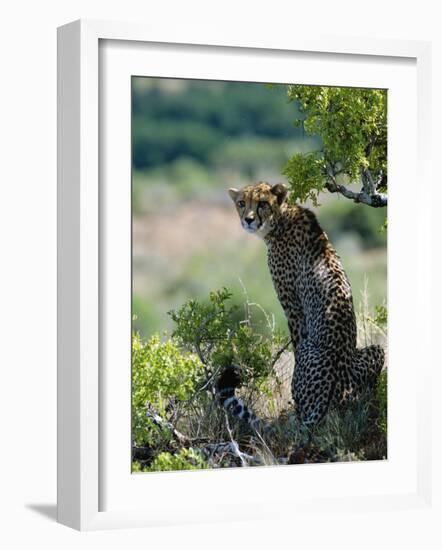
x=188, y=361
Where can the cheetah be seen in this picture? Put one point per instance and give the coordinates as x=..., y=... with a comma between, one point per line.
x=315, y=294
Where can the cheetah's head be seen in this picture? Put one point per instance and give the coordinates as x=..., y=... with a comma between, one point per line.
x=259, y=205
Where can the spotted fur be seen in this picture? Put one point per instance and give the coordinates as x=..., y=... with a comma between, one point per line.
x=315, y=294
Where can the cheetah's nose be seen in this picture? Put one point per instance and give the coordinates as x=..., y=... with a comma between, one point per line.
x=248, y=220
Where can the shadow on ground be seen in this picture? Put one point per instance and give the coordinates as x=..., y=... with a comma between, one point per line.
x=48, y=511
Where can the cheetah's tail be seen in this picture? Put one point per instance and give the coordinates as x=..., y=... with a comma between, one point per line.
x=226, y=385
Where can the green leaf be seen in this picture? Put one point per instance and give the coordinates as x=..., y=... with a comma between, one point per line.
x=352, y=124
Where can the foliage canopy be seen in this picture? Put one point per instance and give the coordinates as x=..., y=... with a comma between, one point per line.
x=352, y=124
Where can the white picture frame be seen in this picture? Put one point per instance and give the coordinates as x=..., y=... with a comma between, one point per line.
x=81, y=293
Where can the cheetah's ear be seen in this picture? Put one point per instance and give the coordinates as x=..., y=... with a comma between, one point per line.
x=233, y=193
x=280, y=190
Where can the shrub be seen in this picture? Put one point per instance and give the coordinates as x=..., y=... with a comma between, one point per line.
x=221, y=338
x=177, y=378
x=184, y=459
x=160, y=372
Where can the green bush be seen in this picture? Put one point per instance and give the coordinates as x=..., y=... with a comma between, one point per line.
x=223, y=338
x=184, y=459
x=160, y=372
x=177, y=379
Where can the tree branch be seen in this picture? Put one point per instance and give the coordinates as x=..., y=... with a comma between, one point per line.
x=374, y=199
x=368, y=184
x=162, y=423
x=209, y=450
x=227, y=448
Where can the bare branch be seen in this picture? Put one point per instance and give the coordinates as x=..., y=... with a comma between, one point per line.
x=368, y=194
x=234, y=445
x=209, y=450
x=227, y=448
x=374, y=199
x=162, y=423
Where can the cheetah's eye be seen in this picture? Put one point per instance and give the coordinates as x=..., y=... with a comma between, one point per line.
x=241, y=204
x=262, y=204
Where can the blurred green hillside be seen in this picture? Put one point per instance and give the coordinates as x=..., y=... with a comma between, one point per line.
x=192, y=140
